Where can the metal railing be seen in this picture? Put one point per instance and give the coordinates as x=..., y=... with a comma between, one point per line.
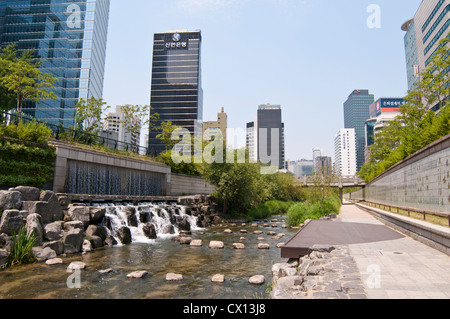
x=59, y=132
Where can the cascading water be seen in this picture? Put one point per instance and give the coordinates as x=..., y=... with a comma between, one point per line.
x=147, y=221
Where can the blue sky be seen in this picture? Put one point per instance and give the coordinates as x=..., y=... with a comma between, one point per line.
x=306, y=55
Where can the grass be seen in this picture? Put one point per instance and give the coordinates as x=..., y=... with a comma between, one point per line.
x=267, y=209
x=298, y=213
x=22, y=244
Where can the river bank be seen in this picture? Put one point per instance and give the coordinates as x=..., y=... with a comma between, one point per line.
x=247, y=253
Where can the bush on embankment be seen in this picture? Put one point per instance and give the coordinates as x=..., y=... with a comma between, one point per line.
x=298, y=213
x=270, y=208
x=25, y=158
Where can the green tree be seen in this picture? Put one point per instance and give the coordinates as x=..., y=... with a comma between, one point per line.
x=21, y=77
x=417, y=125
x=88, y=116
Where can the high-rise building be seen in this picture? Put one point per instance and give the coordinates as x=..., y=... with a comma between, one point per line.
x=211, y=128
x=356, y=113
x=115, y=122
x=176, y=90
x=430, y=24
x=69, y=39
x=317, y=152
x=345, y=152
x=265, y=136
x=323, y=165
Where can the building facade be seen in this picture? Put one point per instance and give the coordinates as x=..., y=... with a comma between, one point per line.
x=430, y=24
x=265, y=136
x=115, y=123
x=356, y=113
x=323, y=165
x=69, y=39
x=176, y=90
x=345, y=152
x=211, y=128
x=381, y=112
x=301, y=168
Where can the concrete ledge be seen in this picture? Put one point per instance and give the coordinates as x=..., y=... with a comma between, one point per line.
x=435, y=236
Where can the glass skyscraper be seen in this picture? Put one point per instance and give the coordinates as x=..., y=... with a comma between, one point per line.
x=69, y=38
x=356, y=113
x=176, y=89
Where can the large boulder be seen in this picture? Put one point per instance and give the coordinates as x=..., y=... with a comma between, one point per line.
x=43, y=254
x=131, y=216
x=27, y=193
x=57, y=246
x=54, y=231
x=97, y=214
x=68, y=226
x=56, y=210
x=10, y=200
x=41, y=208
x=73, y=241
x=150, y=231
x=124, y=235
x=95, y=230
x=11, y=222
x=80, y=213
x=34, y=225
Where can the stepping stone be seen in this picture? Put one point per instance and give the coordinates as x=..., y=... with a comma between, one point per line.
x=174, y=277
x=196, y=243
x=216, y=245
x=105, y=271
x=54, y=261
x=77, y=265
x=263, y=246
x=137, y=274
x=257, y=280
x=218, y=279
x=238, y=246
x=228, y=231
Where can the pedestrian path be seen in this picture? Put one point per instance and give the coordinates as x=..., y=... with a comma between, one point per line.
x=398, y=269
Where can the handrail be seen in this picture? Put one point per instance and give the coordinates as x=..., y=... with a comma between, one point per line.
x=83, y=137
x=424, y=212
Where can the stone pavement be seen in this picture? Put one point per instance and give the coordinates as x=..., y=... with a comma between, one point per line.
x=398, y=269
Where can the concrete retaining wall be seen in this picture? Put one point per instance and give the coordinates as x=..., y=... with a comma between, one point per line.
x=84, y=171
x=189, y=185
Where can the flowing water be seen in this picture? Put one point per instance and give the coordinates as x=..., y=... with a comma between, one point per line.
x=158, y=257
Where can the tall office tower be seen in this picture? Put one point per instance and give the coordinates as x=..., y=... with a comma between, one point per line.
x=317, y=152
x=430, y=24
x=176, y=91
x=345, y=152
x=266, y=135
x=356, y=113
x=69, y=38
x=412, y=62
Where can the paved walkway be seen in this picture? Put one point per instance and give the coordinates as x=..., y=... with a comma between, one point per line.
x=398, y=269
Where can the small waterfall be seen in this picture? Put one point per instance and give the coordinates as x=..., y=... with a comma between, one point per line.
x=147, y=221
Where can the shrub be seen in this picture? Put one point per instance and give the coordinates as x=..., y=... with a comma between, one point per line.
x=298, y=213
x=31, y=132
x=22, y=244
x=270, y=208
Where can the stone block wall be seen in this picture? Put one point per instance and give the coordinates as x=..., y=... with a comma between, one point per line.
x=421, y=181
